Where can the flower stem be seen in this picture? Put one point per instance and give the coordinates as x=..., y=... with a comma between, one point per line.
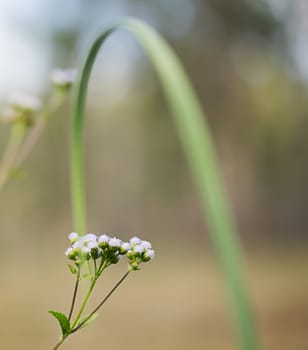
x=58, y=344
x=74, y=295
x=53, y=104
x=101, y=303
x=84, y=303
x=17, y=135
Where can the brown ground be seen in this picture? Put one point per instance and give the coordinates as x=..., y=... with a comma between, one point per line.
x=168, y=305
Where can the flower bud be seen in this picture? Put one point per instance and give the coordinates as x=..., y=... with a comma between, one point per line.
x=63, y=78
x=73, y=237
x=135, y=240
x=103, y=241
x=148, y=255
x=125, y=247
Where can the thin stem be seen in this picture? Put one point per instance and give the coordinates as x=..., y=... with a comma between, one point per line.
x=53, y=104
x=84, y=303
x=102, y=302
x=59, y=344
x=74, y=294
x=16, y=137
x=95, y=267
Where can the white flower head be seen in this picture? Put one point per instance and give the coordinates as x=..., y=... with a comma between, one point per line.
x=149, y=254
x=90, y=237
x=135, y=240
x=126, y=246
x=73, y=237
x=63, y=77
x=69, y=251
x=146, y=245
x=139, y=249
x=92, y=245
x=115, y=242
x=25, y=102
x=86, y=250
x=104, y=238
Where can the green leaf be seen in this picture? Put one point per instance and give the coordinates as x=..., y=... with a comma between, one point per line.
x=63, y=321
x=90, y=320
x=72, y=269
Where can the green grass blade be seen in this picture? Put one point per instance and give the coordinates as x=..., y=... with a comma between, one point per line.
x=198, y=146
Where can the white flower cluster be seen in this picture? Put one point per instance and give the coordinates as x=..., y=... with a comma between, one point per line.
x=63, y=78
x=109, y=249
x=21, y=107
x=25, y=102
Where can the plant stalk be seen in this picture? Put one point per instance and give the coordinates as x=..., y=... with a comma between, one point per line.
x=16, y=138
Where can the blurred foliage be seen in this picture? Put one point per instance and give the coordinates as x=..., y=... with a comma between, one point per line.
x=240, y=57
x=237, y=56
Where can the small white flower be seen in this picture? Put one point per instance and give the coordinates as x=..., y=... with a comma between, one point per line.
x=104, y=239
x=73, y=237
x=25, y=102
x=139, y=249
x=86, y=250
x=115, y=242
x=90, y=237
x=146, y=245
x=69, y=251
x=150, y=254
x=92, y=245
x=126, y=246
x=63, y=77
x=78, y=244
x=135, y=240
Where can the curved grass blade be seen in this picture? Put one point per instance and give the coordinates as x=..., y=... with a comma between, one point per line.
x=199, y=149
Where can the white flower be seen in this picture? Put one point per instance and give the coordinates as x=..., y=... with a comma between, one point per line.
x=126, y=246
x=69, y=251
x=150, y=254
x=115, y=242
x=89, y=237
x=78, y=244
x=63, y=77
x=86, y=250
x=25, y=102
x=73, y=237
x=104, y=239
x=139, y=249
x=135, y=240
x=146, y=245
x=92, y=244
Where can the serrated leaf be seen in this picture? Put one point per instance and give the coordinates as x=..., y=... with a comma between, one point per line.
x=72, y=269
x=90, y=320
x=63, y=321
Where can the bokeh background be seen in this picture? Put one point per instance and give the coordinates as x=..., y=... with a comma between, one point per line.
x=248, y=61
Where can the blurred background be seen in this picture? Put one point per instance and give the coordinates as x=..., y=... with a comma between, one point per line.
x=248, y=61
